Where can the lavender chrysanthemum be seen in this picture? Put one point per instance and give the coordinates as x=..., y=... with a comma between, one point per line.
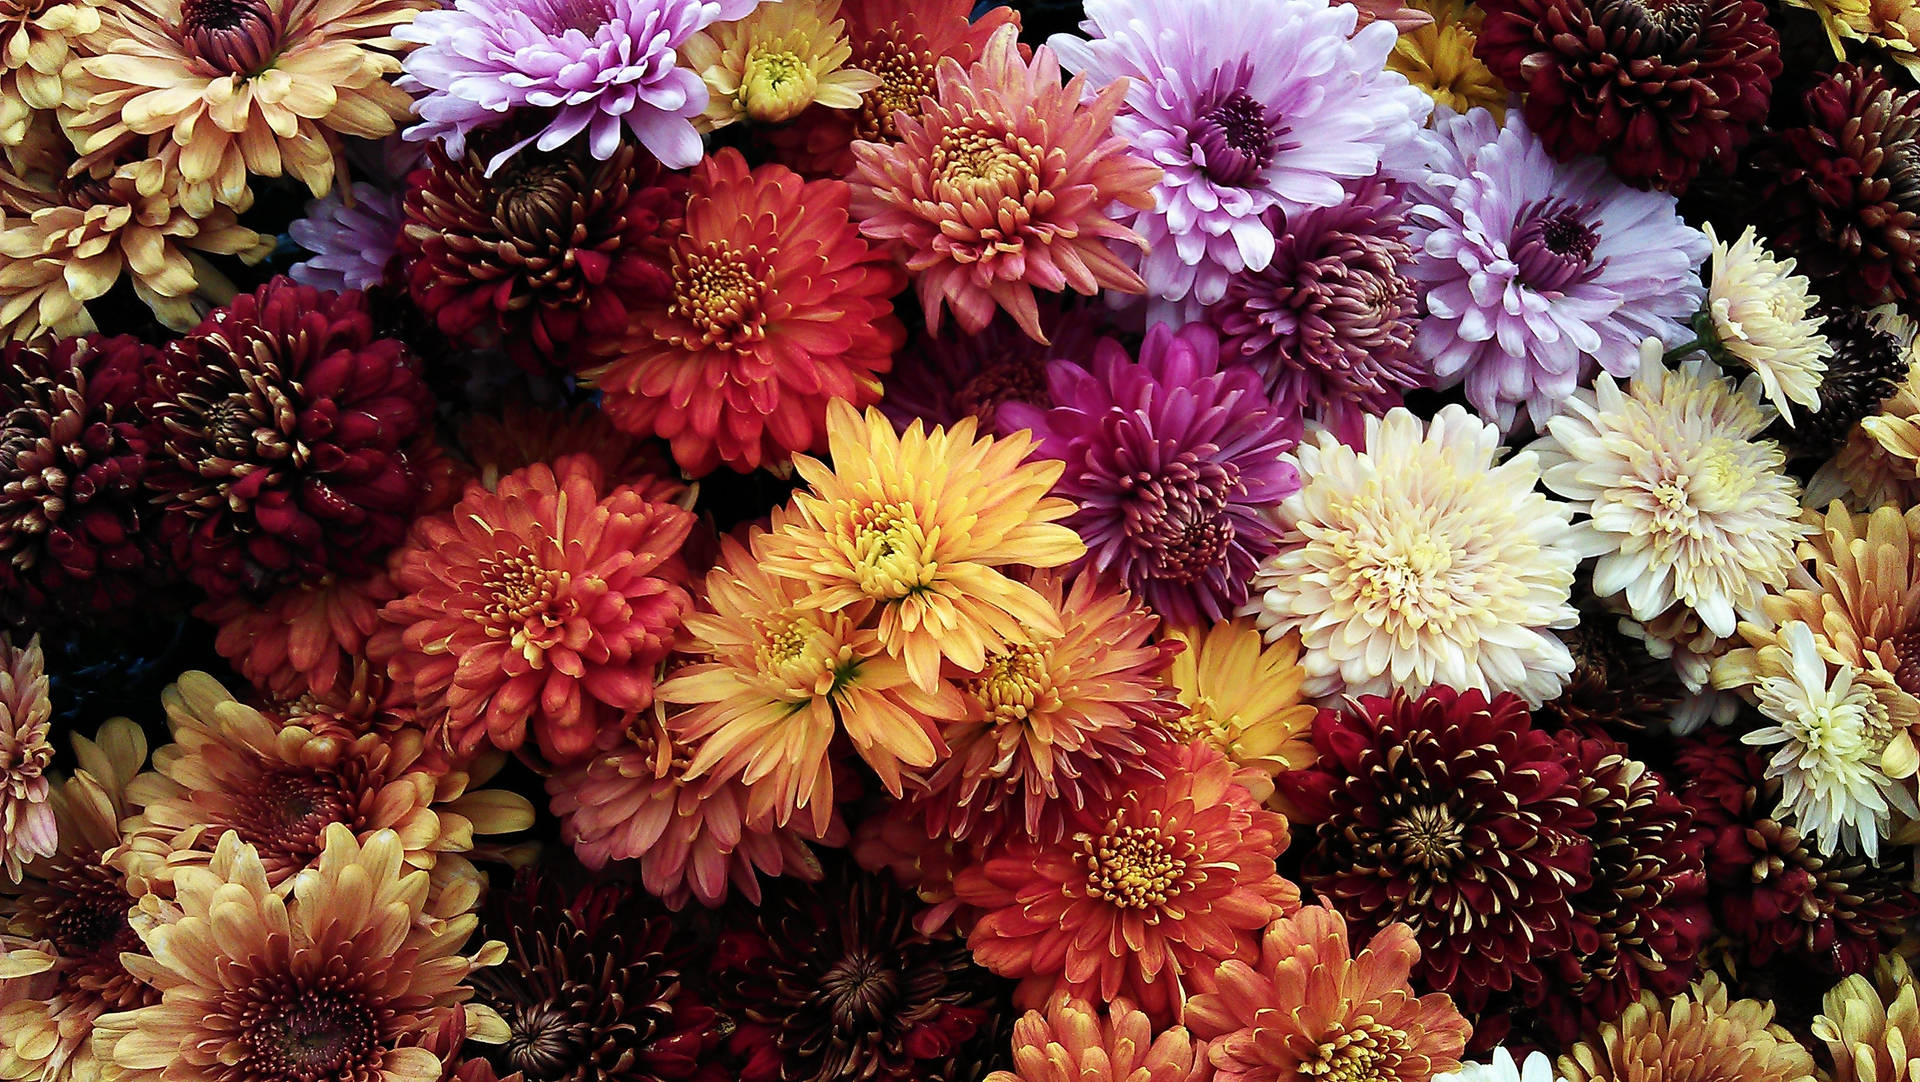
x=1330, y=321
x=351, y=245
x=1174, y=464
x=597, y=66
x=1249, y=106
x=1535, y=270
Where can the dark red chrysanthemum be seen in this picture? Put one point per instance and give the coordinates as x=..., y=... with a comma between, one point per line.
x=1867, y=363
x=1661, y=88
x=938, y=379
x=1454, y=816
x=75, y=528
x=286, y=441
x=1616, y=689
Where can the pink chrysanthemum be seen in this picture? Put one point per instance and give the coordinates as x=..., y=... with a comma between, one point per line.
x=303, y=638
x=27, y=828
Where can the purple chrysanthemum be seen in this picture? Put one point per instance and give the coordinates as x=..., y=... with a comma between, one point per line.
x=351, y=245
x=1534, y=270
x=938, y=379
x=1173, y=463
x=597, y=65
x=1330, y=321
x=1249, y=105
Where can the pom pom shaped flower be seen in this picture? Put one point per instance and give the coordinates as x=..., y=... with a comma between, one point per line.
x=1413, y=560
x=1002, y=188
x=1248, y=108
x=216, y=90
x=920, y=524
x=774, y=308
x=538, y=608
x=1686, y=507
x=1243, y=697
x=548, y=252
x=301, y=639
x=1074, y=1039
x=1174, y=878
x=284, y=441
x=361, y=963
x=1438, y=58
x=1534, y=271
x=778, y=680
x=1173, y=463
x=36, y=40
x=773, y=64
x=28, y=826
x=1662, y=91
x=1307, y=1006
x=76, y=530
x=593, y=67
x=1704, y=1035
x=1762, y=316
x=1451, y=815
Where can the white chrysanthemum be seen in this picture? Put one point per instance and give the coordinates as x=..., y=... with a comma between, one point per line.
x=1501, y=1068
x=1686, y=506
x=1832, y=729
x=1417, y=561
x=1763, y=314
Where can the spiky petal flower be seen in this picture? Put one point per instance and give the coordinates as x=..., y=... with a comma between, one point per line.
x=1308, y=1006
x=1176, y=877
x=920, y=524
x=1072, y=1039
x=1871, y=354
x=772, y=65
x=1002, y=189
x=593, y=67
x=1878, y=461
x=1762, y=315
x=774, y=307
x=1703, y=1035
x=1173, y=462
x=539, y=608
x=1249, y=108
x=285, y=441
x=1412, y=560
x=28, y=828
x=1536, y=273
x=1243, y=697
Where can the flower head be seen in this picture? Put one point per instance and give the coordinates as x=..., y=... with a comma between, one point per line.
x=1248, y=108
x=1537, y=1067
x=301, y=639
x=1243, y=697
x=1762, y=316
x=940, y=378
x=351, y=244
x=1002, y=188
x=1413, y=560
x=772, y=65
x=1174, y=463
x=1115, y=1043
x=1870, y=1026
x=1702, y=1035
x=774, y=308
x=1870, y=355
x=1438, y=58
x=28, y=826
x=1878, y=461
x=36, y=40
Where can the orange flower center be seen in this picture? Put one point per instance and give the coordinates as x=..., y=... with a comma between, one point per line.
x=1428, y=837
x=1015, y=685
x=719, y=293
x=309, y=1034
x=1134, y=867
x=1366, y=1052
x=889, y=551
x=1200, y=722
x=984, y=168
x=906, y=76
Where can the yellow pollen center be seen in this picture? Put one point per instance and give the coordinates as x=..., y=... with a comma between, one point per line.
x=1412, y=577
x=718, y=292
x=889, y=552
x=798, y=654
x=976, y=167
x=1015, y=685
x=1133, y=867
x=777, y=84
x=906, y=76
x=524, y=591
x=1367, y=1052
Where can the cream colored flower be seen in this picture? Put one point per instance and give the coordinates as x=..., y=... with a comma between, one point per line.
x=1871, y=1027
x=1762, y=314
x=1702, y=1035
x=36, y=38
x=773, y=64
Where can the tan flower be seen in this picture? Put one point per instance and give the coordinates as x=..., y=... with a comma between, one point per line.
x=1871, y=1027
x=27, y=823
x=36, y=38
x=1699, y=1036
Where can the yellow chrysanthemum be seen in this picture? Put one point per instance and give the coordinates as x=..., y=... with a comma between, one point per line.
x=920, y=525
x=1244, y=697
x=1702, y=1035
x=36, y=38
x=1871, y=1026
x=1762, y=316
x=1892, y=25
x=1438, y=58
x=773, y=64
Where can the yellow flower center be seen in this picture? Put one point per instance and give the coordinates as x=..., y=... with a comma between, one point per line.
x=1411, y=578
x=906, y=76
x=798, y=654
x=1014, y=685
x=1200, y=722
x=1133, y=867
x=1366, y=1052
x=981, y=167
x=889, y=552
x=777, y=84
x=523, y=590
x=717, y=291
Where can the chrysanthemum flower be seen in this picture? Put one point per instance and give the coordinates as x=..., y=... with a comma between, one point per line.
x=27, y=824
x=1308, y=1007
x=284, y=440
x=775, y=308
x=1438, y=58
x=1452, y=816
x=1173, y=463
x=1870, y=353
x=1244, y=698
x=540, y=608
x=1249, y=107
x=1056, y=724
x=778, y=679
x=1175, y=877
x=1537, y=1067
x=1536, y=272
x=1661, y=92
x=1617, y=688
x=351, y=245
x=772, y=65
x=1703, y=1035
x=1686, y=506
x=340, y=981
x=36, y=40
x=1762, y=316
x=1116, y=1042
x=1413, y=560
x=939, y=378
x=217, y=90
x=303, y=638
x=282, y=786
x=920, y=524
x=520, y=435
x=1878, y=460
x=1002, y=188
x=1871, y=1026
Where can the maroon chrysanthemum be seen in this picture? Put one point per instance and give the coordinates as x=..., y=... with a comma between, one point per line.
x=1453, y=815
x=75, y=528
x=938, y=379
x=283, y=436
x=1661, y=88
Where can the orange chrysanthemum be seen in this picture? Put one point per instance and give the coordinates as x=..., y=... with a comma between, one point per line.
x=1307, y=1007
x=1176, y=878
x=542, y=605
x=919, y=524
x=343, y=981
x=281, y=786
x=778, y=307
x=27, y=824
x=214, y=90
x=783, y=680
x=1072, y=1042
x=301, y=639
x=1001, y=187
